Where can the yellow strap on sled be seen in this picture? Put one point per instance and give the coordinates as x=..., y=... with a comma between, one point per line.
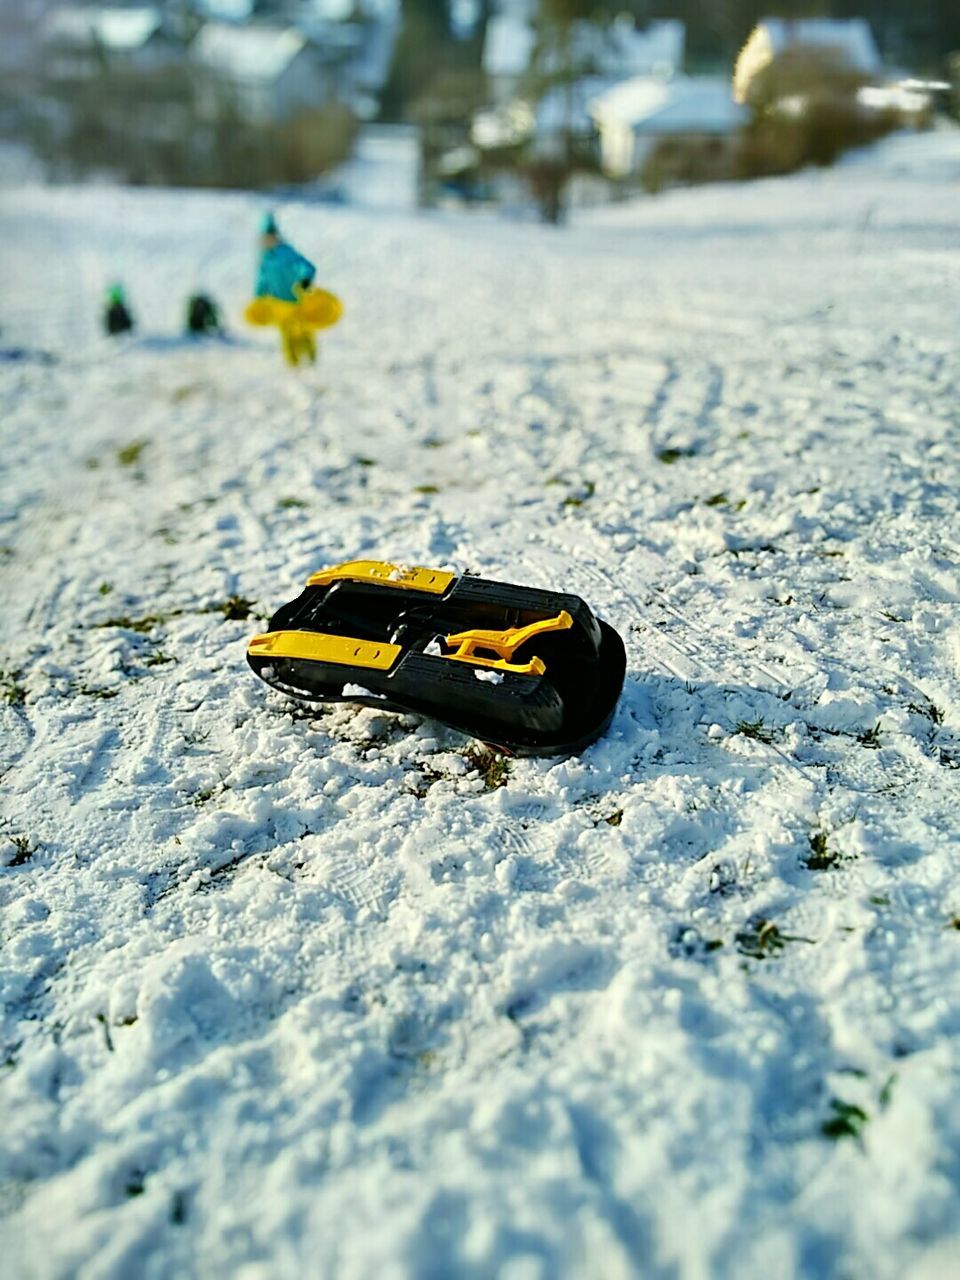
x=505, y=643
x=316, y=646
x=433, y=581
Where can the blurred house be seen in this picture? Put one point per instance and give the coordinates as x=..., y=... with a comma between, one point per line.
x=617, y=50
x=111, y=91
x=613, y=56
x=631, y=117
x=79, y=43
x=328, y=51
x=262, y=73
x=518, y=49
x=554, y=83
x=355, y=40
x=845, y=47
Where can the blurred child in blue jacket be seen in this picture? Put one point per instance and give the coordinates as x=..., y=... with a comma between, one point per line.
x=286, y=275
x=283, y=272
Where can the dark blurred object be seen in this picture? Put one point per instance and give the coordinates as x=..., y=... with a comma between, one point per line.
x=116, y=316
x=548, y=179
x=203, y=316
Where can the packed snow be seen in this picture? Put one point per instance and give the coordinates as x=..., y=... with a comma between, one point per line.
x=292, y=992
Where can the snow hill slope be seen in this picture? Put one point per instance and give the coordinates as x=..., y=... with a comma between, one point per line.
x=291, y=994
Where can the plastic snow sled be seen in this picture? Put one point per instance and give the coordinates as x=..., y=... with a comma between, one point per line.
x=314, y=309
x=530, y=672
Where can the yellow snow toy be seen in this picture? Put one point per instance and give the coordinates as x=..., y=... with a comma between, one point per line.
x=297, y=321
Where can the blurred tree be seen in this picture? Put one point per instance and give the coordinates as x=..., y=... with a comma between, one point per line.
x=561, y=13
x=560, y=59
x=921, y=35
x=424, y=46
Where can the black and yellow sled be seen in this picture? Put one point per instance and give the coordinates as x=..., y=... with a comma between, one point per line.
x=530, y=672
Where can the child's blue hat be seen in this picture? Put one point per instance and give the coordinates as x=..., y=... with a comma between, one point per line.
x=268, y=225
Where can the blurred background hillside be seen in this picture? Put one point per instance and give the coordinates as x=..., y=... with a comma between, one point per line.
x=526, y=104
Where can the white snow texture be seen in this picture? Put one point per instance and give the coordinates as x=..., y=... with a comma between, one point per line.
x=291, y=992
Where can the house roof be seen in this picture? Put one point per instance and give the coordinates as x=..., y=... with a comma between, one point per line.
x=686, y=104
x=852, y=37
x=620, y=48
x=118, y=29
x=247, y=53
x=629, y=50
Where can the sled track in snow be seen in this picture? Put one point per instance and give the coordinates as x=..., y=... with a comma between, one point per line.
x=699, y=662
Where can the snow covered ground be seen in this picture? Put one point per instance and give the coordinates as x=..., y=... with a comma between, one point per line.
x=293, y=994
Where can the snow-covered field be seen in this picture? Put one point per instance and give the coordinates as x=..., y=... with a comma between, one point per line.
x=297, y=994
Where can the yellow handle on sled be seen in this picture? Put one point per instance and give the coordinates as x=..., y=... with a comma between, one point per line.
x=415, y=578
x=505, y=643
x=316, y=646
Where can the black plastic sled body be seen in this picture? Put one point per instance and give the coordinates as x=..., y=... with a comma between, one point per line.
x=530, y=672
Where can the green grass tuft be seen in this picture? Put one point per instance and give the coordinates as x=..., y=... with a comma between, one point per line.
x=847, y=1120
x=158, y=659
x=760, y=939
x=142, y=626
x=491, y=766
x=587, y=490
x=129, y=455
x=886, y=1093
x=236, y=608
x=755, y=729
x=669, y=456
x=821, y=857
x=24, y=849
x=12, y=691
